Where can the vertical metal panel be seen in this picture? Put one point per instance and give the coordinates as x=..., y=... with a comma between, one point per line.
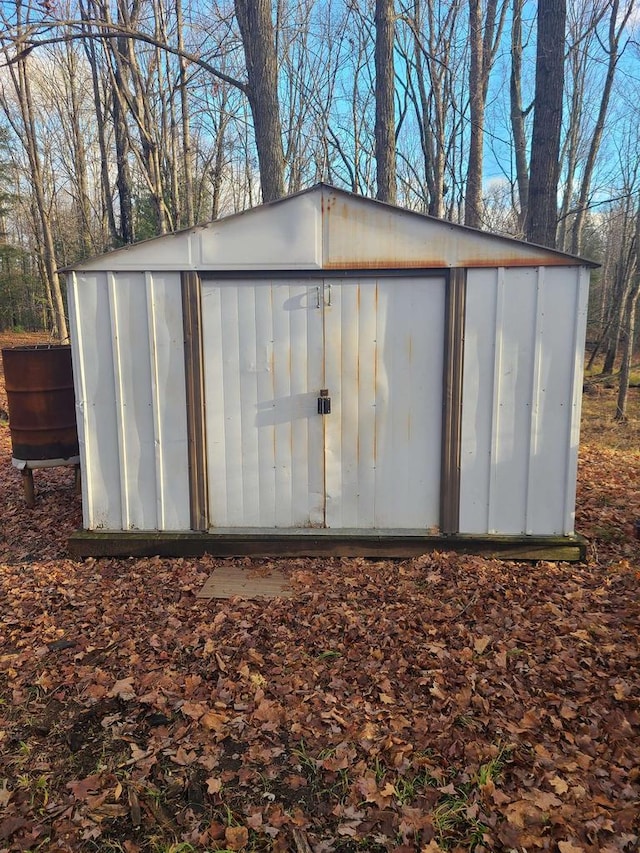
x=263, y=348
x=129, y=374
x=281, y=379
x=350, y=376
x=212, y=406
x=552, y=403
x=410, y=353
x=548, y=480
x=95, y=402
x=247, y=402
x=80, y=388
x=234, y=409
x=134, y=401
x=511, y=432
x=264, y=390
x=341, y=456
x=481, y=353
x=384, y=358
x=308, y=345
x=156, y=396
x=538, y=389
x=575, y=397
x=494, y=522
x=195, y=401
x=119, y=398
x=166, y=337
x=366, y=426
x=519, y=400
x=452, y=401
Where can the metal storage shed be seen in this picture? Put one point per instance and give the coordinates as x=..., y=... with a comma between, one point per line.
x=329, y=374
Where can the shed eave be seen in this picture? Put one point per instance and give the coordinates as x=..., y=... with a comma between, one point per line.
x=194, y=244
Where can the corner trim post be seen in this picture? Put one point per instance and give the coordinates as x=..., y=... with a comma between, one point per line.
x=456, y=292
x=195, y=396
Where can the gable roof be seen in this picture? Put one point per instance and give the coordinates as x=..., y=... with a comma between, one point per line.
x=324, y=227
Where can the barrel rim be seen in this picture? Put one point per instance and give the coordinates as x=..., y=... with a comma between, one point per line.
x=37, y=347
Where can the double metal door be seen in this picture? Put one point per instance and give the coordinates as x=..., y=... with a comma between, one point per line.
x=323, y=401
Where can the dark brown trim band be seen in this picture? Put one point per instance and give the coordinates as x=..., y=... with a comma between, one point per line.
x=331, y=273
x=321, y=543
x=456, y=291
x=196, y=414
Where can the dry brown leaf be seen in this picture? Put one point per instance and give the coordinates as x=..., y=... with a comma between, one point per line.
x=236, y=837
x=214, y=721
x=123, y=689
x=480, y=644
x=214, y=785
x=558, y=784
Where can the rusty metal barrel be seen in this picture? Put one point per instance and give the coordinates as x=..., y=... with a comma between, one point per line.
x=42, y=414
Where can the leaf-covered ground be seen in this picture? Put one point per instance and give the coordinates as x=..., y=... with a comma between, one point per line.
x=438, y=703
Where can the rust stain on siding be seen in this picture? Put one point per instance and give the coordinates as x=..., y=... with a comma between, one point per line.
x=345, y=216
x=438, y=263
x=382, y=263
x=510, y=261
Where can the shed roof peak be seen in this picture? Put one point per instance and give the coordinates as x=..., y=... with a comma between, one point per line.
x=326, y=227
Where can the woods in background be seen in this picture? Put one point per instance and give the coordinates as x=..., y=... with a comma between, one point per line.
x=126, y=119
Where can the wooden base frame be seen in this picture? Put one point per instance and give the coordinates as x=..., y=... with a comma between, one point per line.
x=316, y=543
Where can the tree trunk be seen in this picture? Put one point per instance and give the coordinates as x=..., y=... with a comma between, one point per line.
x=483, y=42
x=517, y=112
x=385, y=131
x=627, y=352
x=123, y=174
x=105, y=177
x=547, y=119
x=631, y=303
x=47, y=254
x=83, y=202
x=258, y=41
x=473, y=193
x=616, y=28
x=187, y=154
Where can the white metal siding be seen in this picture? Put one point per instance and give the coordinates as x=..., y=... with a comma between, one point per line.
x=521, y=399
x=95, y=402
x=130, y=397
x=359, y=232
x=377, y=347
x=282, y=236
x=263, y=373
x=328, y=228
x=384, y=364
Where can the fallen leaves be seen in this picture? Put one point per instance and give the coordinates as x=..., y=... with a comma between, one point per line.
x=440, y=703
x=123, y=689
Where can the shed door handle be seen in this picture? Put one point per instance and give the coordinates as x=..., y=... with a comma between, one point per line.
x=324, y=402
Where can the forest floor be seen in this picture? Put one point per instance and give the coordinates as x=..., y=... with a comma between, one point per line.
x=444, y=702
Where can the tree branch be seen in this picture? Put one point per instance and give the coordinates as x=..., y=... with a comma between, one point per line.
x=112, y=31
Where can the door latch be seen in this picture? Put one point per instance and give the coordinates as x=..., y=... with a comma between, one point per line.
x=324, y=402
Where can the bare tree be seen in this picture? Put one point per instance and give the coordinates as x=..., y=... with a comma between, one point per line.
x=385, y=102
x=629, y=326
x=484, y=38
x=618, y=20
x=25, y=129
x=185, y=117
x=518, y=113
x=433, y=78
x=258, y=41
x=544, y=174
